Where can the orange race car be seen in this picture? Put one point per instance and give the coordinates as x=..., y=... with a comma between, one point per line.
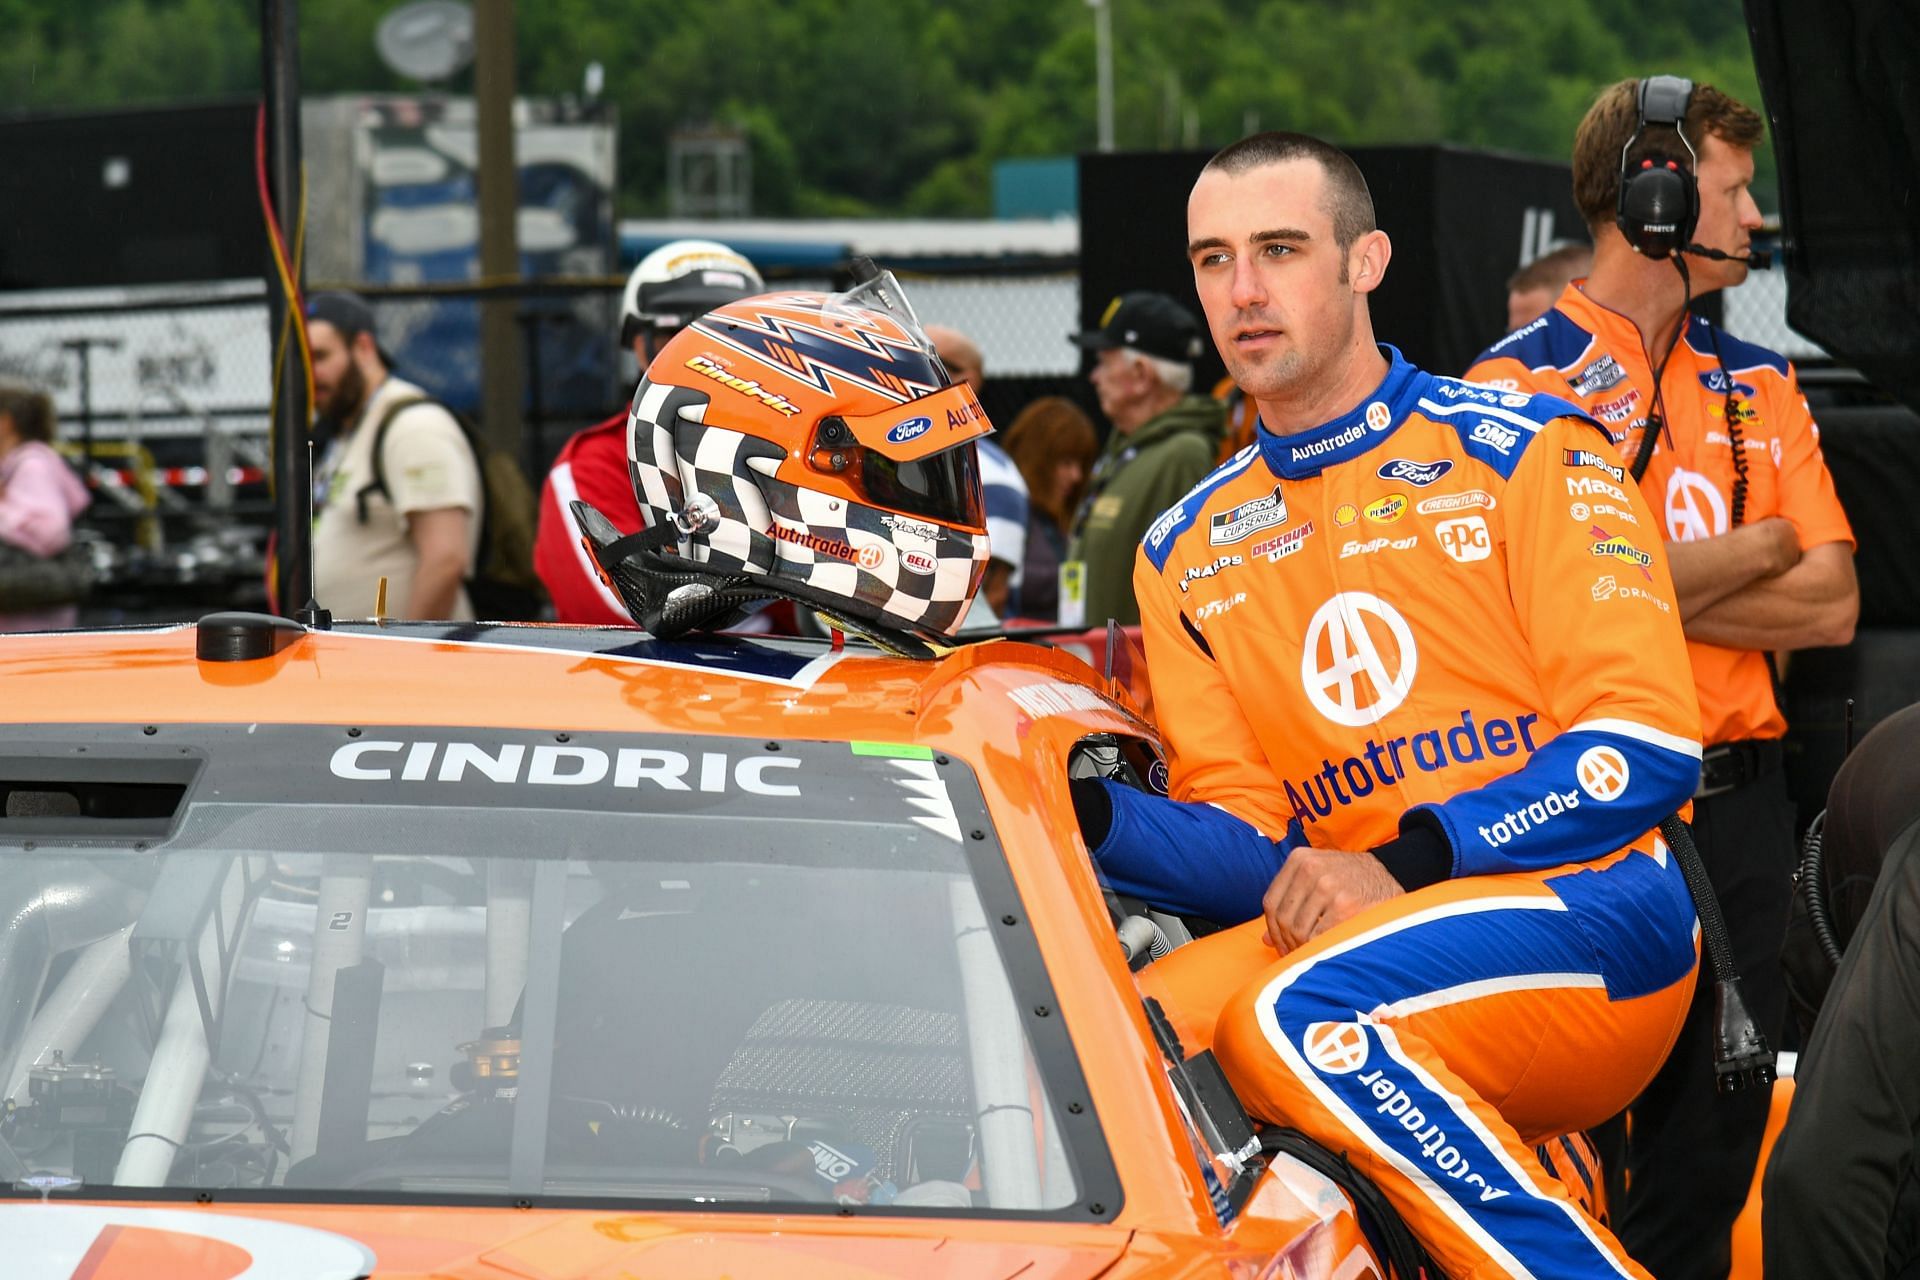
x=435, y=950
x=461, y=950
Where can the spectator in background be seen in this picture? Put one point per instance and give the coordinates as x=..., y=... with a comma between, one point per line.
x=1532, y=289
x=420, y=529
x=1164, y=442
x=1006, y=491
x=671, y=287
x=1721, y=442
x=39, y=497
x=1053, y=443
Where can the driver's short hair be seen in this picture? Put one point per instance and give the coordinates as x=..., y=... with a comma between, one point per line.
x=1349, y=203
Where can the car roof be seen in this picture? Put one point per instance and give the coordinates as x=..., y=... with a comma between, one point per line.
x=523, y=677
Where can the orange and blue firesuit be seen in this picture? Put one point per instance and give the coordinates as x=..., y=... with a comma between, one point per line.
x=1410, y=631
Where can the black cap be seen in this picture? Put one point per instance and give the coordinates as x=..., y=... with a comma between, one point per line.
x=350, y=314
x=1151, y=323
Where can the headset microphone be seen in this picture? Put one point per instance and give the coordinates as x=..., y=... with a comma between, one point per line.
x=1758, y=259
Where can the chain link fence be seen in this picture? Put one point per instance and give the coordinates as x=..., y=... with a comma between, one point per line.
x=1757, y=312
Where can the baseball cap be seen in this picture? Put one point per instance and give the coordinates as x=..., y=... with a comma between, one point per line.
x=350, y=314
x=1152, y=323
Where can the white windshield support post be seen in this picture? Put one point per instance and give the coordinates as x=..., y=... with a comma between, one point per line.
x=339, y=940
x=1009, y=1164
x=98, y=975
x=509, y=912
x=178, y=1069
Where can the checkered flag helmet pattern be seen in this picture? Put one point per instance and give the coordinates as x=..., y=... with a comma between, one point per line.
x=877, y=564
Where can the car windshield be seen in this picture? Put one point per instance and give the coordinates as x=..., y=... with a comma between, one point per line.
x=404, y=963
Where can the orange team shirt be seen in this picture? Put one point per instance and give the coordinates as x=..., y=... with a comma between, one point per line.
x=1400, y=609
x=1584, y=352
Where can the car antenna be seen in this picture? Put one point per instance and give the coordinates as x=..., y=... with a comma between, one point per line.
x=310, y=614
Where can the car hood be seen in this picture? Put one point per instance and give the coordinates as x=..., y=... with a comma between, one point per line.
x=1843, y=101
x=124, y=1242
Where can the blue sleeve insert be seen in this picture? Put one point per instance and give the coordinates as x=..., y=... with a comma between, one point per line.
x=1189, y=859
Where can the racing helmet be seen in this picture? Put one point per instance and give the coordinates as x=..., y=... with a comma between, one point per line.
x=810, y=446
x=680, y=280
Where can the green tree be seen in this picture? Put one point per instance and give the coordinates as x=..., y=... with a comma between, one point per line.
x=887, y=106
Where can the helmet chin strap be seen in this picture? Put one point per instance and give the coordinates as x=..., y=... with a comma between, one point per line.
x=670, y=596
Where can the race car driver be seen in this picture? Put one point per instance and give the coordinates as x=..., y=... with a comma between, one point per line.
x=669, y=289
x=1410, y=744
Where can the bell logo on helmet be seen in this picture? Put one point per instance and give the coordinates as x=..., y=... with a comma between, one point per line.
x=911, y=429
x=918, y=562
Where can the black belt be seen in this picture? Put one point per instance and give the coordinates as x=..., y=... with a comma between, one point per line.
x=1731, y=765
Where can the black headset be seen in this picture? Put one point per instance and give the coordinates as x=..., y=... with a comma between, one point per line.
x=1659, y=201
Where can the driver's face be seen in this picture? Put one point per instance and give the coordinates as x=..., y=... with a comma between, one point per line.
x=1273, y=281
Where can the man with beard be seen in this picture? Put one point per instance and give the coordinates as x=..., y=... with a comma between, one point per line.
x=420, y=529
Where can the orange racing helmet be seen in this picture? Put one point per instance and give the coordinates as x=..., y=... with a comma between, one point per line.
x=812, y=446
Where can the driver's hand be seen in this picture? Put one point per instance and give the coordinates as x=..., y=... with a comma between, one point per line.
x=1320, y=888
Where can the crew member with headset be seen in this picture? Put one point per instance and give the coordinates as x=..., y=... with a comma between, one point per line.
x=671, y=288
x=1718, y=436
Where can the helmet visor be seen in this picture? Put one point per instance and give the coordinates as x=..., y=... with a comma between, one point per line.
x=881, y=293
x=942, y=486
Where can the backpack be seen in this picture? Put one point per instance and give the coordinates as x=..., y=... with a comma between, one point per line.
x=503, y=587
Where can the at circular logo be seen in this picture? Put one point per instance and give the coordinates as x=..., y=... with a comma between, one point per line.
x=1379, y=417
x=1602, y=772
x=911, y=429
x=870, y=556
x=1695, y=509
x=1337, y=1048
x=1359, y=659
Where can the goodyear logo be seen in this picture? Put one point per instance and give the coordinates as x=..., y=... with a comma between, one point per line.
x=911, y=429
x=1387, y=509
x=706, y=368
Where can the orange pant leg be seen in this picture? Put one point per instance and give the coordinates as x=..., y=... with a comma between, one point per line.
x=1435, y=1039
